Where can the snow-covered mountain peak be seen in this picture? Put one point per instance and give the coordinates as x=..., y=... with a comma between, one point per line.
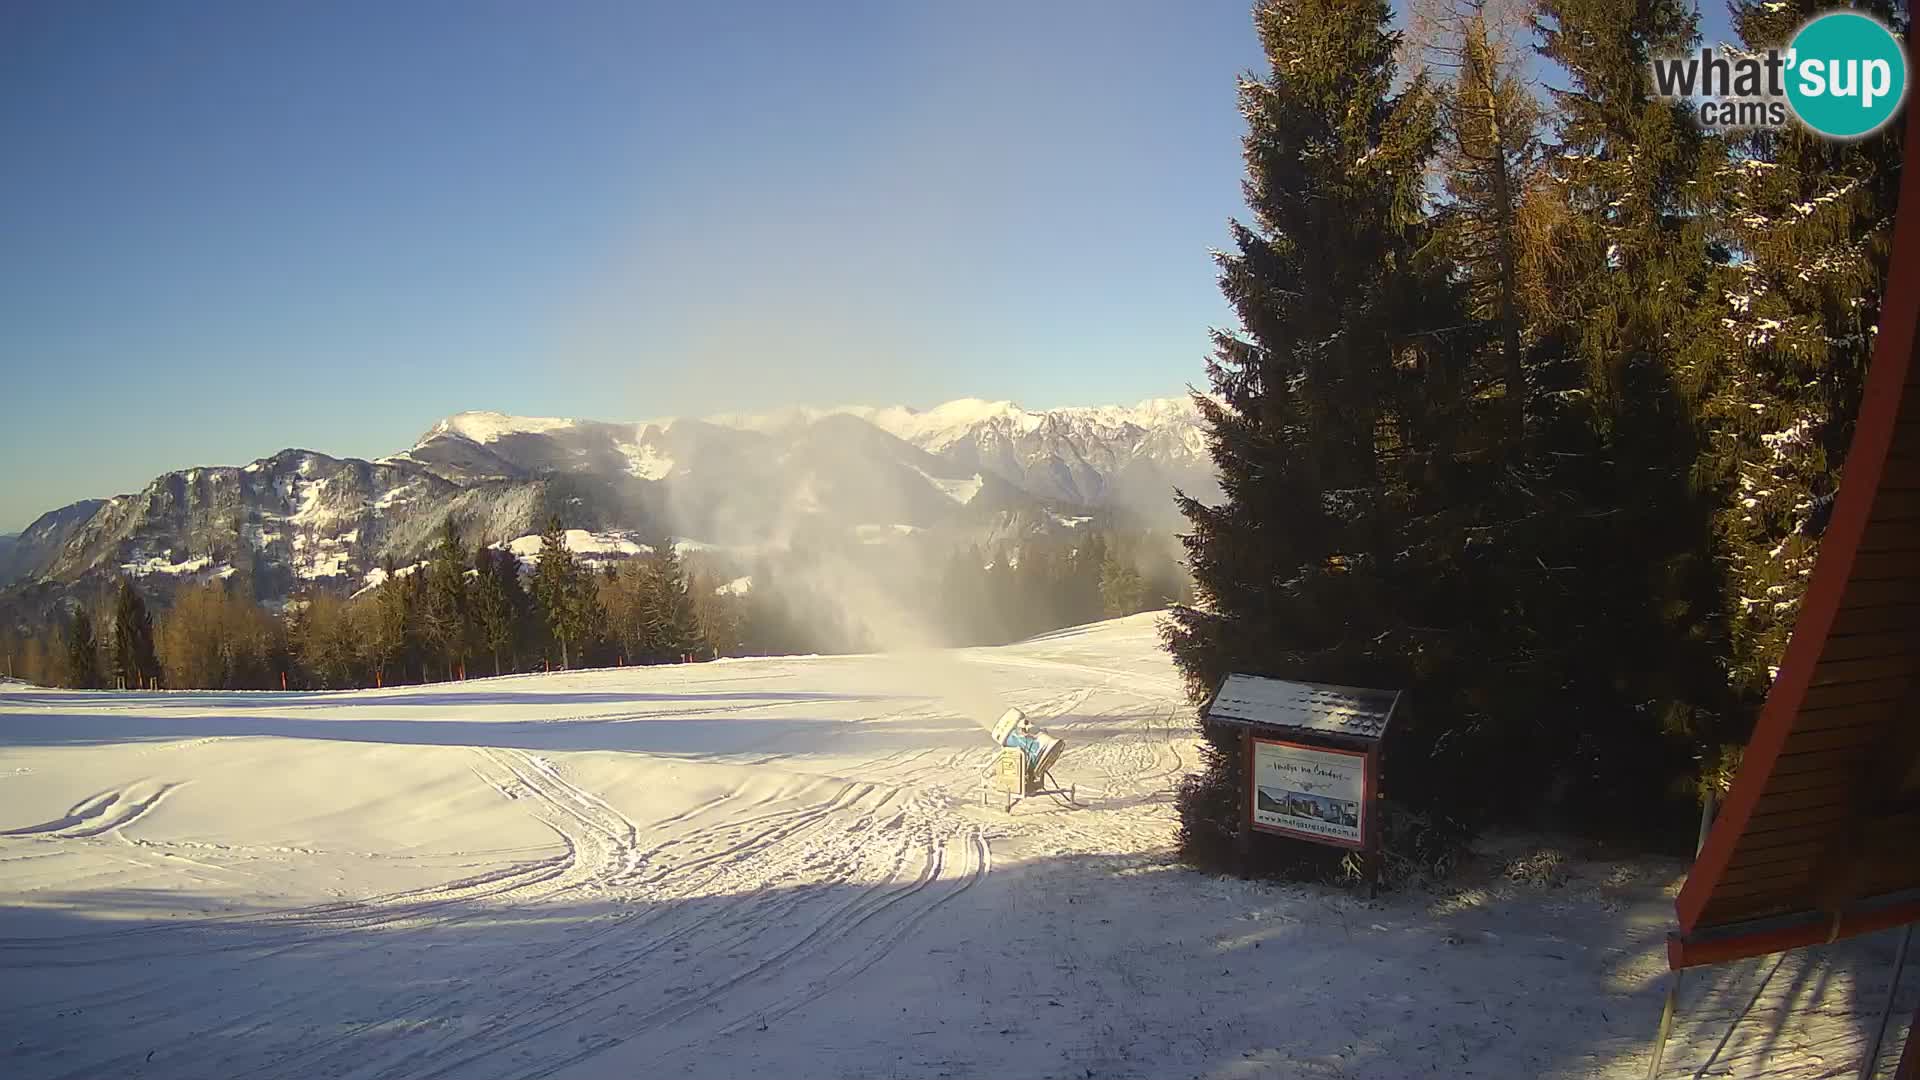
x=942, y=425
x=931, y=429
x=484, y=427
x=1090, y=455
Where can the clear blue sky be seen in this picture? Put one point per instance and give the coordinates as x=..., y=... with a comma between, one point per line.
x=228, y=228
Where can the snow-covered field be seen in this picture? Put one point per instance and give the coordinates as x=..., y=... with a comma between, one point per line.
x=780, y=868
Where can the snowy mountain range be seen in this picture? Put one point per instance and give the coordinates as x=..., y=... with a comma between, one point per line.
x=969, y=470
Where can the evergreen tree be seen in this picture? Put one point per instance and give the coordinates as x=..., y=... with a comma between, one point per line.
x=1321, y=431
x=1084, y=601
x=1035, y=584
x=584, y=620
x=385, y=620
x=563, y=591
x=446, y=620
x=1002, y=595
x=134, y=661
x=1122, y=590
x=964, y=598
x=498, y=601
x=83, y=653
x=1810, y=222
x=673, y=627
x=1626, y=611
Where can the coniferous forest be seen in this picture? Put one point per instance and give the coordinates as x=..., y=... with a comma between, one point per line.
x=473, y=608
x=1537, y=401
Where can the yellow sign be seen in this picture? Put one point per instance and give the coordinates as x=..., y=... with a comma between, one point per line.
x=1010, y=771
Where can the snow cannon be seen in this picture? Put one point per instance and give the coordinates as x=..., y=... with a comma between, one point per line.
x=1024, y=765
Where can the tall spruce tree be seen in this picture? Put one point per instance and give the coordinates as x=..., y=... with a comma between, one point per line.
x=563, y=591
x=1122, y=590
x=498, y=601
x=672, y=625
x=1809, y=221
x=1488, y=659
x=446, y=618
x=1625, y=615
x=1324, y=424
x=135, y=664
x=385, y=621
x=83, y=653
x=1089, y=563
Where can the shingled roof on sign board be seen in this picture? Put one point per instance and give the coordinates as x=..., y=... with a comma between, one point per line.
x=1334, y=710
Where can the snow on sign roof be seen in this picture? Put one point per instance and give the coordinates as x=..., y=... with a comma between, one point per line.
x=1334, y=710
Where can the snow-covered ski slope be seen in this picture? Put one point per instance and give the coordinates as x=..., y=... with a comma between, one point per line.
x=775, y=867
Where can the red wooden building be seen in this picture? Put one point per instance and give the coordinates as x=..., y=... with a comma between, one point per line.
x=1819, y=837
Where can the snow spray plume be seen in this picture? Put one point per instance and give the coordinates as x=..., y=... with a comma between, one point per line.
x=862, y=587
x=865, y=586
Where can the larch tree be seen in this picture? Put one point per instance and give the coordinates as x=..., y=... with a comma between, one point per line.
x=718, y=612
x=385, y=617
x=327, y=642
x=1490, y=160
x=218, y=638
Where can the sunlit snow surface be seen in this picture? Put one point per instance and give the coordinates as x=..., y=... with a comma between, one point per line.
x=778, y=867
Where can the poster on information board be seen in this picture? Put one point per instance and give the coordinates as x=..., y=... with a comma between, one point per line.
x=1310, y=792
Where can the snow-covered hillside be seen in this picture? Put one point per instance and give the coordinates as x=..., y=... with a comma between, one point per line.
x=777, y=867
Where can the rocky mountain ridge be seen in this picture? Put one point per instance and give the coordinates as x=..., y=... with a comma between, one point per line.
x=967, y=471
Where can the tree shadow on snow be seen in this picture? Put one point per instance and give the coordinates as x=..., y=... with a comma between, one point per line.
x=449, y=695
x=644, y=733
x=1063, y=966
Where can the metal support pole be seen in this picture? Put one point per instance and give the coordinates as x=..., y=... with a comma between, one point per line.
x=1666, y=1027
x=1909, y=1066
x=1886, y=1011
x=1707, y=808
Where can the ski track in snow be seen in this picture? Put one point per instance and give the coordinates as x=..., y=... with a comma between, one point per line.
x=102, y=813
x=775, y=901
x=761, y=902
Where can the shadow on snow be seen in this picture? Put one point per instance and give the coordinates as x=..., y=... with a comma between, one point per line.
x=1086, y=966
